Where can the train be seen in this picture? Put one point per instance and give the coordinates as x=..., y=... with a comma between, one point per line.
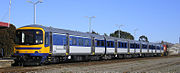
x=37, y=45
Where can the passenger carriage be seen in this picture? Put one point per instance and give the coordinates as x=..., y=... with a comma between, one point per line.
x=36, y=44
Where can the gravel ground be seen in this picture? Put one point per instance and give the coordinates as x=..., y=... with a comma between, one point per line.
x=155, y=65
x=151, y=65
x=6, y=63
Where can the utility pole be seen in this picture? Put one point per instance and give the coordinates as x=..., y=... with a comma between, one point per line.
x=135, y=30
x=90, y=18
x=9, y=13
x=179, y=40
x=34, y=4
x=119, y=26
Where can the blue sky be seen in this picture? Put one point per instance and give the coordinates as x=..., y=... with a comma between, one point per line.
x=157, y=19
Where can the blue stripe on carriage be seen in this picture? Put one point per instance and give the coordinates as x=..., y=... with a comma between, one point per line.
x=32, y=54
x=29, y=48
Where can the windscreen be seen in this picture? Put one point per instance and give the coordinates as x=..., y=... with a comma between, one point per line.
x=29, y=37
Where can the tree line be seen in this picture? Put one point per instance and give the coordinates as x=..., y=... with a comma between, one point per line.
x=124, y=35
x=7, y=37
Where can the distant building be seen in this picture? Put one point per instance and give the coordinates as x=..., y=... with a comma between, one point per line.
x=174, y=50
x=3, y=25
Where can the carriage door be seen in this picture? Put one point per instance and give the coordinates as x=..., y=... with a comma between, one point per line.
x=140, y=47
x=116, y=46
x=51, y=42
x=148, y=47
x=128, y=47
x=135, y=47
x=67, y=44
x=93, y=46
x=105, y=46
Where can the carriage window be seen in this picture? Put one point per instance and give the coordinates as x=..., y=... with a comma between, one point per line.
x=119, y=45
x=112, y=44
x=131, y=45
x=102, y=43
x=138, y=46
x=108, y=43
x=154, y=47
x=80, y=42
x=29, y=37
x=87, y=42
x=150, y=46
x=144, y=46
x=125, y=45
x=98, y=43
x=122, y=45
x=74, y=41
x=158, y=47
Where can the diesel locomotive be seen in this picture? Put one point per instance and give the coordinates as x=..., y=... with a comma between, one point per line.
x=37, y=44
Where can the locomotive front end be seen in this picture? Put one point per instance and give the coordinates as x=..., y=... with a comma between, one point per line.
x=30, y=46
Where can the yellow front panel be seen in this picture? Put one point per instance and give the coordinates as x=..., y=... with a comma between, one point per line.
x=42, y=50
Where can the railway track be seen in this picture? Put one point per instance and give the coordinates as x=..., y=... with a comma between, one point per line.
x=76, y=64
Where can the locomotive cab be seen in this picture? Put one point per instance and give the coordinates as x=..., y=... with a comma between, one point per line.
x=30, y=46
